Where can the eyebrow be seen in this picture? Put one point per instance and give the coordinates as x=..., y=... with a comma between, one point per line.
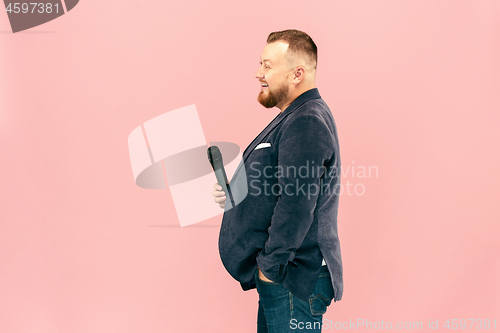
x=266, y=60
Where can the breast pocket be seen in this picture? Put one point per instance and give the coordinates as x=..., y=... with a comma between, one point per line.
x=261, y=167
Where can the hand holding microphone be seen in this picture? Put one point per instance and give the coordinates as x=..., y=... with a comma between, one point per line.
x=222, y=185
x=219, y=195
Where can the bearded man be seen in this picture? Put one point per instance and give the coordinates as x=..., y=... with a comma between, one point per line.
x=282, y=238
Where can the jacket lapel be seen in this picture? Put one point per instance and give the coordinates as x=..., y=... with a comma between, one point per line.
x=272, y=125
x=311, y=94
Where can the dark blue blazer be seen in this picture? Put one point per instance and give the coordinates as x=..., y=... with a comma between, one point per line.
x=287, y=222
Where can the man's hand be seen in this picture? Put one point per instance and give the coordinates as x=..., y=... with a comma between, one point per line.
x=262, y=277
x=219, y=195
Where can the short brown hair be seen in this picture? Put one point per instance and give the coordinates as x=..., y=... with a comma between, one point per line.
x=298, y=42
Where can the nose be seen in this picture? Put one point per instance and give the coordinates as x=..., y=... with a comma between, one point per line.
x=259, y=74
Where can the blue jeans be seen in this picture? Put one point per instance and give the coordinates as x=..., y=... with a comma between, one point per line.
x=281, y=312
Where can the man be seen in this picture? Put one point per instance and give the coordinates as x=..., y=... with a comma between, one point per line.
x=282, y=238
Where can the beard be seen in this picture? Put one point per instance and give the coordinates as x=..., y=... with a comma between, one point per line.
x=273, y=97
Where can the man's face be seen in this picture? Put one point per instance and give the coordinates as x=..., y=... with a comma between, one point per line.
x=273, y=75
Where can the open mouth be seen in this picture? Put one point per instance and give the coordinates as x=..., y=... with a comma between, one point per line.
x=264, y=85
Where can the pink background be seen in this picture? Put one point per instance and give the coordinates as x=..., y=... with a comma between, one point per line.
x=414, y=89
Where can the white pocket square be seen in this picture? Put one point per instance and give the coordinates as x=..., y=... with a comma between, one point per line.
x=263, y=145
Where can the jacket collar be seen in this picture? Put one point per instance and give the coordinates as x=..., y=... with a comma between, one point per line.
x=304, y=97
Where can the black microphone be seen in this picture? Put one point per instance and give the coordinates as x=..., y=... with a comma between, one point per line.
x=215, y=158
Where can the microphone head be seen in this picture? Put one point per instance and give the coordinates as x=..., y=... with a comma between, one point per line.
x=214, y=156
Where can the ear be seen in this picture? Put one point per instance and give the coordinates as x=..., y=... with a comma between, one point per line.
x=298, y=74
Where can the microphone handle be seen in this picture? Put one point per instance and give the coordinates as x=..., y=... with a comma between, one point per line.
x=215, y=158
x=220, y=173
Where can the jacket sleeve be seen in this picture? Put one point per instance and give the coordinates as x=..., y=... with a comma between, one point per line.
x=305, y=144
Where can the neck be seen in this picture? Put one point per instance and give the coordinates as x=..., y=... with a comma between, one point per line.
x=293, y=95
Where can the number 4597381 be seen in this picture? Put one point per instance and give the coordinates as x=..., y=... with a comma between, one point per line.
x=32, y=7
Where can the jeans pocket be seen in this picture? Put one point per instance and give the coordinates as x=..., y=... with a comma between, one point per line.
x=266, y=282
x=257, y=278
x=318, y=304
x=322, y=295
